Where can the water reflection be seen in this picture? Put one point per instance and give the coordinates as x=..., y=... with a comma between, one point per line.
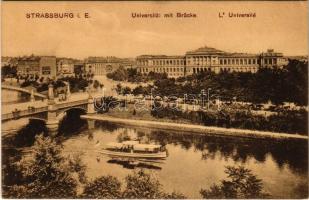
x=197, y=161
x=134, y=165
x=290, y=152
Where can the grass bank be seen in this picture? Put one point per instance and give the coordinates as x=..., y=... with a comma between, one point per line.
x=193, y=128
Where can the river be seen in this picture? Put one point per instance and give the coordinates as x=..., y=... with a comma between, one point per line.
x=198, y=161
x=12, y=97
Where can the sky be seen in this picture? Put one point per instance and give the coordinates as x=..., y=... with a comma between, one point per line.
x=111, y=30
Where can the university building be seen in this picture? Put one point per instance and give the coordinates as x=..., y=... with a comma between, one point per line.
x=208, y=59
x=102, y=65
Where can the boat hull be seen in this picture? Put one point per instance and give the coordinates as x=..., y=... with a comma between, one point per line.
x=150, y=156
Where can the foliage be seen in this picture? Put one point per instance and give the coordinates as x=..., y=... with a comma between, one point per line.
x=26, y=136
x=288, y=121
x=140, y=90
x=105, y=187
x=242, y=184
x=104, y=104
x=118, y=88
x=76, y=83
x=120, y=74
x=141, y=185
x=47, y=174
x=96, y=84
x=131, y=75
x=126, y=90
x=8, y=71
x=288, y=84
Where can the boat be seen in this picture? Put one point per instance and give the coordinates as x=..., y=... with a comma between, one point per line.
x=128, y=150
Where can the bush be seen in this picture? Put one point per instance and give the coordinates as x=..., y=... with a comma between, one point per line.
x=141, y=185
x=105, y=187
x=46, y=175
x=241, y=184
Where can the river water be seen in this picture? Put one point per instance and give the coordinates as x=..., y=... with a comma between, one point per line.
x=12, y=97
x=198, y=161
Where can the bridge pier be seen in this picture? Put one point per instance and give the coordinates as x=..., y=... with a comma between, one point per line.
x=90, y=105
x=52, y=122
x=91, y=124
x=32, y=99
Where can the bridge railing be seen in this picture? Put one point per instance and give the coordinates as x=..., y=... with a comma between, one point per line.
x=21, y=113
x=71, y=104
x=22, y=90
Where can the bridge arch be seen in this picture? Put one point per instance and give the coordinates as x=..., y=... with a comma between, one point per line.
x=80, y=108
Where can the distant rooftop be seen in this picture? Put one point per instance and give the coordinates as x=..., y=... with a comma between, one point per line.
x=205, y=50
x=159, y=56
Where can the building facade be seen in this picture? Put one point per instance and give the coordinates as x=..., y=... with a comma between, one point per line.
x=42, y=66
x=208, y=59
x=103, y=65
x=48, y=68
x=174, y=66
x=65, y=67
x=28, y=65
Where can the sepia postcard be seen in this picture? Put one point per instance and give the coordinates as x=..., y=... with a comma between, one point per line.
x=154, y=100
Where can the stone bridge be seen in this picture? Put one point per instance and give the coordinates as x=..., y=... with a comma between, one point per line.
x=23, y=90
x=49, y=109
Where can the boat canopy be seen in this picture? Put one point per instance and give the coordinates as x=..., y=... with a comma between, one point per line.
x=115, y=145
x=135, y=144
x=147, y=147
x=130, y=142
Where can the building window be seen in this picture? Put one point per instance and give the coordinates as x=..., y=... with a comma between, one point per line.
x=249, y=61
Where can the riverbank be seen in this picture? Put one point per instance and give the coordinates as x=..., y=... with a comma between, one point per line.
x=194, y=128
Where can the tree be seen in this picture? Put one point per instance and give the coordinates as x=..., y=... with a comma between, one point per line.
x=96, y=84
x=118, y=88
x=47, y=174
x=105, y=187
x=126, y=90
x=242, y=184
x=120, y=74
x=141, y=185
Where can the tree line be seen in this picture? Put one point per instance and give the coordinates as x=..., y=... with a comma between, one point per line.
x=278, y=85
x=287, y=121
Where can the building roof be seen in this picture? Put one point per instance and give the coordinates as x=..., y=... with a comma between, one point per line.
x=29, y=58
x=110, y=59
x=205, y=50
x=239, y=55
x=159, y=57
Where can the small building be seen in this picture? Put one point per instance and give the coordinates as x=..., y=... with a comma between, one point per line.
x=99, y=66
x=65, y=67
x=48, y=68
x=28, y=65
